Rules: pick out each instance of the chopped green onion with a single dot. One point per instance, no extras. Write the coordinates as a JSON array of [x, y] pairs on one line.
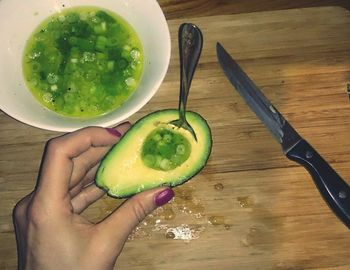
[[101, 43], [101, 28], [88, 57], [167, 138], [180, 149], [149, 160], [47, 97], [127, 48], [135, 54], [157, 137], [110, 65], [54, 88], [130, 81], [104, 26], [52, 78], [165, 164], [158, 160]]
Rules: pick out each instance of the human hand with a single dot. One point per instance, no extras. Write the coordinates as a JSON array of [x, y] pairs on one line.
[[51, 233]]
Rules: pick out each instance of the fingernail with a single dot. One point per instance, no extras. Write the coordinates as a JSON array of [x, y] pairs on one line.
[[164, 196], [114, 132]]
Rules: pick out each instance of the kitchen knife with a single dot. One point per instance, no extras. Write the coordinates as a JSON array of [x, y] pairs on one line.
[[334, 190]]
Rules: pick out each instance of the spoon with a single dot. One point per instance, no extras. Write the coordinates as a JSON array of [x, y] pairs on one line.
[[190, 47]]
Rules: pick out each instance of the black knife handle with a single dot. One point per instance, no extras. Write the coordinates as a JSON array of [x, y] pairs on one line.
[[335, 191]]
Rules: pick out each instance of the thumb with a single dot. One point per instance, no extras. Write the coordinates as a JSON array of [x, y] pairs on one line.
[[117, 227]]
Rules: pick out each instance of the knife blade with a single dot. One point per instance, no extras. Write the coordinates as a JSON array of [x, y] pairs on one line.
[[334, 190]]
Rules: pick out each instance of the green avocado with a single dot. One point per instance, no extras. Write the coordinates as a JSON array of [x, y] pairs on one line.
[[155, 153]]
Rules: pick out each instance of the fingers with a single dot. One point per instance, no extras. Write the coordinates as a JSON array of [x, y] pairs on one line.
[[87, 180], [87, 160], [57, 165], [86, 197], [84, 163], [117, 227]]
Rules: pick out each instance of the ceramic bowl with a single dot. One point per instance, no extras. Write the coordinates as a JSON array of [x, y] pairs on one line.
[[19, 18]]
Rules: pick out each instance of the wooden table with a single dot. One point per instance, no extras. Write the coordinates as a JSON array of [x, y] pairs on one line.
[[250, 208]]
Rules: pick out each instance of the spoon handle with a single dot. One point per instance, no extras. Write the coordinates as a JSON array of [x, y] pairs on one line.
[[190, 47]]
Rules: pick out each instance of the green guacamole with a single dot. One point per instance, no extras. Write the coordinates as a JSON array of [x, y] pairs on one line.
[[83, 62]]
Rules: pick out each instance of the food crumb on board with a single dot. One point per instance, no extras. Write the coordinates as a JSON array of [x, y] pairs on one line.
[[216, 220], [245, 201], [219, 186]]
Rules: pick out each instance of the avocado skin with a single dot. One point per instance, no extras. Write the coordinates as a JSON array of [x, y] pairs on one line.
[[126, 194]]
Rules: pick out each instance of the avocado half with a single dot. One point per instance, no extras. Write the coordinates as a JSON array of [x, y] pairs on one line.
[[125, 171]]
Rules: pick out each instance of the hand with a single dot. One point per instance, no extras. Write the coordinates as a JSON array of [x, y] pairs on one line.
[[50, 232]]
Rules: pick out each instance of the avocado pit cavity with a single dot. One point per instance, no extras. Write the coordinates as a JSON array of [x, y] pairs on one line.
[[165, 149]]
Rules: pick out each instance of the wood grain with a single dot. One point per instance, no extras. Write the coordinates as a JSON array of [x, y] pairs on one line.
[[175, 9], [250, 207]]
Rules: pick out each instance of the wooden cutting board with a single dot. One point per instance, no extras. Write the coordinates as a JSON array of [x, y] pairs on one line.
[[250, 208]]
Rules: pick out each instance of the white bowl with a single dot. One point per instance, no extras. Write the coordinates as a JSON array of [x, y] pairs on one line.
[[19, 18]]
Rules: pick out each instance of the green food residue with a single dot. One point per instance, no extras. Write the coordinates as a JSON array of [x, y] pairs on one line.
[[164, 149], [83, 62]]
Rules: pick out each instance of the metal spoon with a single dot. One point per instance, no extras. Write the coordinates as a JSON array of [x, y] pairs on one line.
[[190, 46]]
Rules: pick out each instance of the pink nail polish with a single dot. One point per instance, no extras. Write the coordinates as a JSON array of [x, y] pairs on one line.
[[114, 132], [164, 196]]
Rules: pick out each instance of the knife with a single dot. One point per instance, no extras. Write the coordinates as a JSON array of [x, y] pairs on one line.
[[334, 190]]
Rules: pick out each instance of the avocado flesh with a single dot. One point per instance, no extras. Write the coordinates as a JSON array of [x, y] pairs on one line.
[[124, 170]]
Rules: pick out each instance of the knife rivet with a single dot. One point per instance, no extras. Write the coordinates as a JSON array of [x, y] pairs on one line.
[[342, 194], [309, 154]]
